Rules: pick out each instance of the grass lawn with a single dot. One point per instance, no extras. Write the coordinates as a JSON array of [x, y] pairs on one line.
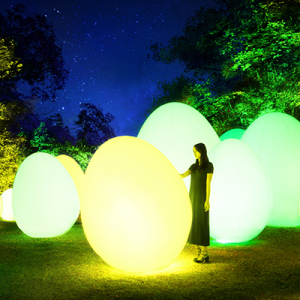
[[66, 267]]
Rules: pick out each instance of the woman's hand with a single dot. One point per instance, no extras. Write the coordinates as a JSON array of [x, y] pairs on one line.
[[206, 206], [185, 174]]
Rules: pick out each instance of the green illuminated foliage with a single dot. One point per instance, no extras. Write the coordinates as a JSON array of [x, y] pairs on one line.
[[14, 149], [42, 142], [244, 58], [41, 139], [238, 109], [81, 152]]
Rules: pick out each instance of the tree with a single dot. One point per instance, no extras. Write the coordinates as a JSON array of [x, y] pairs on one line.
[[94, 125], [29, 40], [39, 65], [57, 130], [49, 136], [269, 63], [176, 90], [21, 122], [35, 135], [81, 152], [10, 65], [41, 139], [43, 69], [250, 50], [43, 142], [10, 158], [197, 48]]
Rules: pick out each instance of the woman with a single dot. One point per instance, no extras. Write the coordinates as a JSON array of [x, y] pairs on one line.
[[201, 174]]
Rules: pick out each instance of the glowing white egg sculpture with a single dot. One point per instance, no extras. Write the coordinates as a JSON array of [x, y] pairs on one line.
[[241, 193], [75, 172], [45, 200], [136, 212], [174, 129], [275, 137], [7, 213], [232, 134]]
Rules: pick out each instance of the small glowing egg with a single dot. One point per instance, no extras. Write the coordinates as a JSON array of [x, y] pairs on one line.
[[232, 134], [241, 193], [275, 137], [7, 213], [174, 128], [136, 211], [45, 200]]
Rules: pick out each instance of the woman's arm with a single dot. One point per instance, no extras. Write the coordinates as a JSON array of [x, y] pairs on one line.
[[208, 181], [185, 174]]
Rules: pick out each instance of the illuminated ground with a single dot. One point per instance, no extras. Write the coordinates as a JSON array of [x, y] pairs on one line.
[[67, 268]]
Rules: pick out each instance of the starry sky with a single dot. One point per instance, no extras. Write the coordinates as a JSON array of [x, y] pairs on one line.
[[105, 45]]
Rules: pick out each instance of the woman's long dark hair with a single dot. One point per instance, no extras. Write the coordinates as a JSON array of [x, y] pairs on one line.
[[203, 159]]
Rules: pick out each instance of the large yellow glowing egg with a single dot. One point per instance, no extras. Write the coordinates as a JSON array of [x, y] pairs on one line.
[[174, 129], [136, 211], [45, 200], [275, 137], [7, 213], [241, 193], [75, 172]]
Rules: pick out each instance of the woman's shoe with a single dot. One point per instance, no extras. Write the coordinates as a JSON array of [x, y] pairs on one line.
[[198, 253], [204, 257]]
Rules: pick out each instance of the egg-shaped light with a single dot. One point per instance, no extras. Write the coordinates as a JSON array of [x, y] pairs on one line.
[[174, 128], [136, 211], [45, 200], [232, 134], [241, 193], [275, 137], [75, 172], [7, 212]]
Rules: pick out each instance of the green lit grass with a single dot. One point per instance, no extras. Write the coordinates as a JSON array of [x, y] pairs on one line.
[[66, 267]]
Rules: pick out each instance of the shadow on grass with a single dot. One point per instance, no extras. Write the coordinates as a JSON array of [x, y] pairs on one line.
[[66, 267]]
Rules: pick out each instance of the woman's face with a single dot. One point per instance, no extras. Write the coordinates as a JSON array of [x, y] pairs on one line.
[[196, 153]]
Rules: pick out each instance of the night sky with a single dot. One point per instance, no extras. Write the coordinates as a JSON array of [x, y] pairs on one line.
[[105, 45]]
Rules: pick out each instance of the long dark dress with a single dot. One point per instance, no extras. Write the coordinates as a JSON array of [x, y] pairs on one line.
[[199, 234]]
